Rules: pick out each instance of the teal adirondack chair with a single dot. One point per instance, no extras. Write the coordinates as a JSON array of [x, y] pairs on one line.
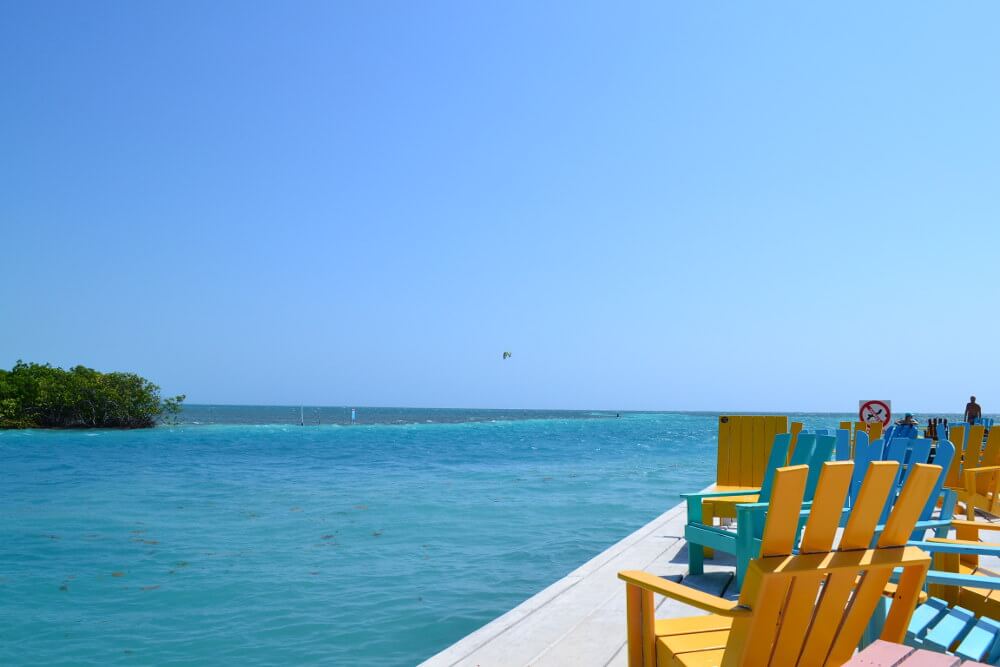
[[744, 542]]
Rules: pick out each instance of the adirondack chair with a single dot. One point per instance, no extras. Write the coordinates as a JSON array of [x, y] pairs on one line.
[[962, 615], [959, 578], [981, 483], [873, 431], [812, 450], [782, 617], [743, 453], [968, 441], [906, 452]]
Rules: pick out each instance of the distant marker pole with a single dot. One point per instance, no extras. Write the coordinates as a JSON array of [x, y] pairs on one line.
[[354, 415]]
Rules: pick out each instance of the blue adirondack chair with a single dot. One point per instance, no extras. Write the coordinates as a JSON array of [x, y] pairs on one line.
[[937, 625], [907, 451], [744, 542]]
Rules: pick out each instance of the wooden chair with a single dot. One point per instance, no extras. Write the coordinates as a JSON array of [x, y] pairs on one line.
[[959, 578], [810, 608], [742, 460], [962, 615], [701, 535], [968, 441], [981, 482], [743, 451], [906, 452]]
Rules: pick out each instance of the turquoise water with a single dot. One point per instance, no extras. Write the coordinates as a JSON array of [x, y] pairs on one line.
[[282, 544]]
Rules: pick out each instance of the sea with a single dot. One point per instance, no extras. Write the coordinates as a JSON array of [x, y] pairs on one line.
[[283, 535]]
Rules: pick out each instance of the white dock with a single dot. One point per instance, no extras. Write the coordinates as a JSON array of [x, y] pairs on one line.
[[580, 619]]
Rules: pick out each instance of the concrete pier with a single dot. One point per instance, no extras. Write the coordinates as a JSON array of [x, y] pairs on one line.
[[580, 619]]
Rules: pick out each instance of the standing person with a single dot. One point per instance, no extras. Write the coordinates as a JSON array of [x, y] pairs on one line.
[[973, 410]]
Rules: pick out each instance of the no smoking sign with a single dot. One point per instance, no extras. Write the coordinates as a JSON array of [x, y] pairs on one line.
[[875, 411]]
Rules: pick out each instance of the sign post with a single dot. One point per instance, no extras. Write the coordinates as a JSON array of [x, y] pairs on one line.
[[875, 411]]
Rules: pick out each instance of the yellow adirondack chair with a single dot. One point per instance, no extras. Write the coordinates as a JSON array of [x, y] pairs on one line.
[[968, 451], [744, 446], [810, 608], [981, 480]]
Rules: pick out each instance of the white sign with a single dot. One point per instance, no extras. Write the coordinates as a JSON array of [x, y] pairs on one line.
[[875, 411]]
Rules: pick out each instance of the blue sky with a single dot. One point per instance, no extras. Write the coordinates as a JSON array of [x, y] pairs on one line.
[[719, 206]]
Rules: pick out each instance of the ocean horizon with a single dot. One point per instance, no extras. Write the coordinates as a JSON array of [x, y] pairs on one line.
[[221, 413]]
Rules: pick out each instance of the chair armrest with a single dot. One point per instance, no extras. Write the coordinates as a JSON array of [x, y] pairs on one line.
[[949, 546], [758, 507], [970, 580], [981, 470], [718, 494], [980, 525], [685, 594]]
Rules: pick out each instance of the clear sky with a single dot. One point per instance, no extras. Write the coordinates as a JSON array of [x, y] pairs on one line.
[[664, 205]]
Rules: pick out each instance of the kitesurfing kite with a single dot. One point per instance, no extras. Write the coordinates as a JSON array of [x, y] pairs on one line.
[[506, 355]]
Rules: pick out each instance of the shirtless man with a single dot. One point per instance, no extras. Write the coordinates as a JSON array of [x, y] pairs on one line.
[[972, 410]]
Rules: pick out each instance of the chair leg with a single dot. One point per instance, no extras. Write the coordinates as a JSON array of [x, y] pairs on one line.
[[742, 563], [708, 518], [696, 558], [641, 627]]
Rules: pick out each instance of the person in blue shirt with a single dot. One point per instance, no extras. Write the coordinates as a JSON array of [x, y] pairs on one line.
[[907, 427]]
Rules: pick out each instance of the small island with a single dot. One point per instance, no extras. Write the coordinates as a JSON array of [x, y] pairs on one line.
[[42, 396]]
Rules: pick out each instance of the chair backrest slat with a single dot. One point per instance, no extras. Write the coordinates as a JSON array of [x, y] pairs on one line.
[[991, 457], [777, 458], [875, 431], [907, 509], [824, 518], [943, 456], [973, 446], [867, 511], [843, 447], [865, 451], [782, 522], [956, 434]]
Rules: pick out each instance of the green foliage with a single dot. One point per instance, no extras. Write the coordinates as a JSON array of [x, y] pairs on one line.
[[40, 396]]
